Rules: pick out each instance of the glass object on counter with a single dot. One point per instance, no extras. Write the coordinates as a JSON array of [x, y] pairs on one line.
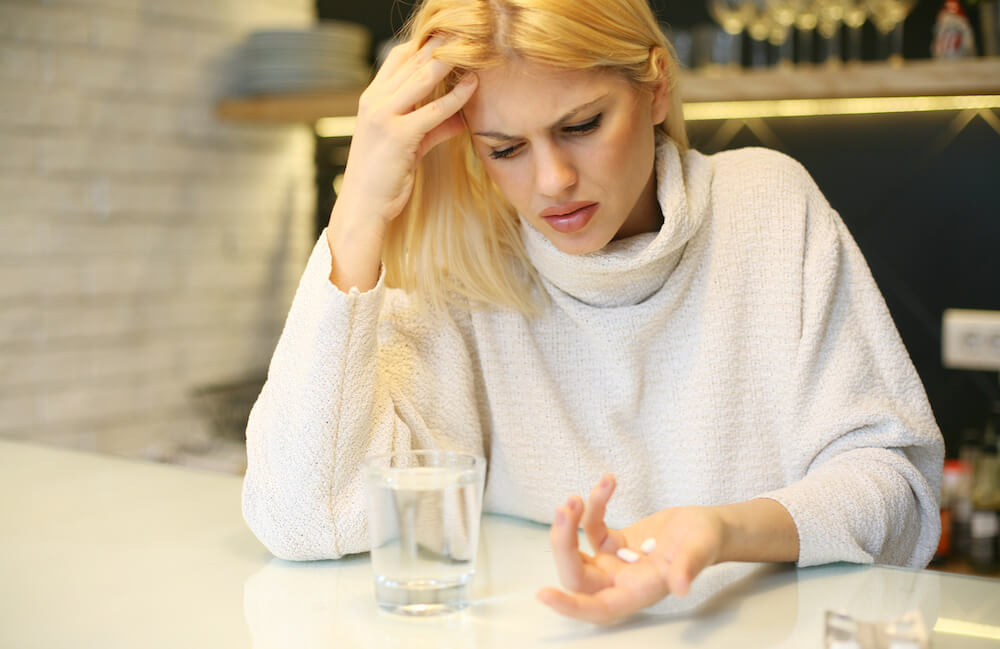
[[961, 503], [989, 27], [888, 17], [831, 15], [424, 509], [984, 525], [732, 16], [683, 42], [759, 28], [949, 485], [783, 14], [806, 22], [855, 17], [712, 48], [846, 632]]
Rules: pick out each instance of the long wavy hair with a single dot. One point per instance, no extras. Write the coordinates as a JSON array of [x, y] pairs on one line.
[[458, 240]]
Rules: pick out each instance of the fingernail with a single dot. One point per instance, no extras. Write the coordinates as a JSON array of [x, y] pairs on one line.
[[560, 517], [468, 79], [605, 482]]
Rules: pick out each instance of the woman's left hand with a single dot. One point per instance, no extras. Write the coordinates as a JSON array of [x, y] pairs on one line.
[[604, 588]]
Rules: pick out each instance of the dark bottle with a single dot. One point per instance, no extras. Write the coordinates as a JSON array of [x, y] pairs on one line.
[[984, 525]]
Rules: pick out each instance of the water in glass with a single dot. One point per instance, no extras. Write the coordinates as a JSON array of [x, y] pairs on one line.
[[424, 525]]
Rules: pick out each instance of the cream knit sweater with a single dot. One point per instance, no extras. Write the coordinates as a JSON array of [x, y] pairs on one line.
[[742, 351]]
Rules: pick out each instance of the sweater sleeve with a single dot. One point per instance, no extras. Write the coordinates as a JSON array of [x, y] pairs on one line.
[[864, 456], [352, 375]]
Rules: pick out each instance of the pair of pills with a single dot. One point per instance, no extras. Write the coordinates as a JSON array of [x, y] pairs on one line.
[[631, 556]]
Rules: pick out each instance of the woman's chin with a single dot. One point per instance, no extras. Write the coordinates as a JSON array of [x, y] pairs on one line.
[[577, 246]]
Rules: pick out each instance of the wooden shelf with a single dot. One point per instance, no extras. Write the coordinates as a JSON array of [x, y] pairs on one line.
[[917, 78], [289, 108]]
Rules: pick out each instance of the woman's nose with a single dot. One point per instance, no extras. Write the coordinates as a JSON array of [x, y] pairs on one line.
[[554, 171]]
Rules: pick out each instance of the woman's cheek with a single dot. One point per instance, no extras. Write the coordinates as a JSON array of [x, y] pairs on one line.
[[511, 184]]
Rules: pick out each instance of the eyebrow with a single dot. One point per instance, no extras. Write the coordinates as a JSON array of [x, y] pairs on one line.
[[496, 135]]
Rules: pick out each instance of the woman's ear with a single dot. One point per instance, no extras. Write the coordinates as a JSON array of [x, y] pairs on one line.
[[661, 100], [661, 92]]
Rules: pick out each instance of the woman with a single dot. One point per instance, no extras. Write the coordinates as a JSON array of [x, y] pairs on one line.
[[578, 296]]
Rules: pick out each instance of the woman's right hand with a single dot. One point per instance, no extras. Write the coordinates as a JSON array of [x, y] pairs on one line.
[[390, 137]]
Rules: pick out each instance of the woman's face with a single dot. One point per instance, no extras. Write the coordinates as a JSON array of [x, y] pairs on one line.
[[573, 151]]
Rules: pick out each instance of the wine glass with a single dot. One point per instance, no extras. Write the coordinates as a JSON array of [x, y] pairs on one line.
[[805, 21], [782, 14], [855, 16], [830, 14], [888, 16], [732, 16], [759, 27]]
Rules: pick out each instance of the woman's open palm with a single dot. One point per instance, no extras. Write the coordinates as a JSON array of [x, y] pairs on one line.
[[603, 587]]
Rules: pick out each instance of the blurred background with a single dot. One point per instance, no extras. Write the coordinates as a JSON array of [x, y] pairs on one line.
[[164, 171]]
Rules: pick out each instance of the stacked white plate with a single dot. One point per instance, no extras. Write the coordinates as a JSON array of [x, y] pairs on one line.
[[329, 56]]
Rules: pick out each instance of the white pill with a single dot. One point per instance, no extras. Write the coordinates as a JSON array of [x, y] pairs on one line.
[[627, 555], [648, 545]]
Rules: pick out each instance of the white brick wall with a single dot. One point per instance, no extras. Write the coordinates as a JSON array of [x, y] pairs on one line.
[[146, 249]]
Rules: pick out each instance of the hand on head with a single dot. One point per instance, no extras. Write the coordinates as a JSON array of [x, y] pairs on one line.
[[394, 130], [602, 587]]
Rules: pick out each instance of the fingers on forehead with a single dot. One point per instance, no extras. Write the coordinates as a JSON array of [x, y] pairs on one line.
[[409, 48], [425, 50], [433, 41]]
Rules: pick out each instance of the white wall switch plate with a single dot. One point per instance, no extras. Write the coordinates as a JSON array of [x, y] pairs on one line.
[[970, 339]]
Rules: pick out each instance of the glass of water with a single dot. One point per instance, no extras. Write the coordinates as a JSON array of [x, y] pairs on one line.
[[424, 509]]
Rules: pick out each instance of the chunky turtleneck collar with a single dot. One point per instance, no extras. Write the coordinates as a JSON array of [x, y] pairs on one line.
[[629, 271]]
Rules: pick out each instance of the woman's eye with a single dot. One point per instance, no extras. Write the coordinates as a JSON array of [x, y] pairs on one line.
[[573, 129], [499, 154], [585, 127]]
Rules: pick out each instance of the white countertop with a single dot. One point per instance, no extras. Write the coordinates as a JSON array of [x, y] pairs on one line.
[[103, 552]]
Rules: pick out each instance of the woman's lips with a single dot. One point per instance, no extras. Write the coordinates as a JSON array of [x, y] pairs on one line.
[[569, 217]]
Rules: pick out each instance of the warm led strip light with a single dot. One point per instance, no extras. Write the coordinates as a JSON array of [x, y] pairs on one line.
[[336, 126], [756, 109], [971, 629]]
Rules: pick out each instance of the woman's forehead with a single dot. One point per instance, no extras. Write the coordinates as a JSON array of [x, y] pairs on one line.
[[526, 96]]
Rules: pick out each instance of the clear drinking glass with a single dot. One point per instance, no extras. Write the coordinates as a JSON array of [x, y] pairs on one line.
[[855, 16], [732, 16], [424, 509], [888, 17]]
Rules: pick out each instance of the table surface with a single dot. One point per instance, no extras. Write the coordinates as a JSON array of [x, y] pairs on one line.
[[106, 552]]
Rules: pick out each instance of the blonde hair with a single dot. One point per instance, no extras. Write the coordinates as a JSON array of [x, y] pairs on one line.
[[458, 240]]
